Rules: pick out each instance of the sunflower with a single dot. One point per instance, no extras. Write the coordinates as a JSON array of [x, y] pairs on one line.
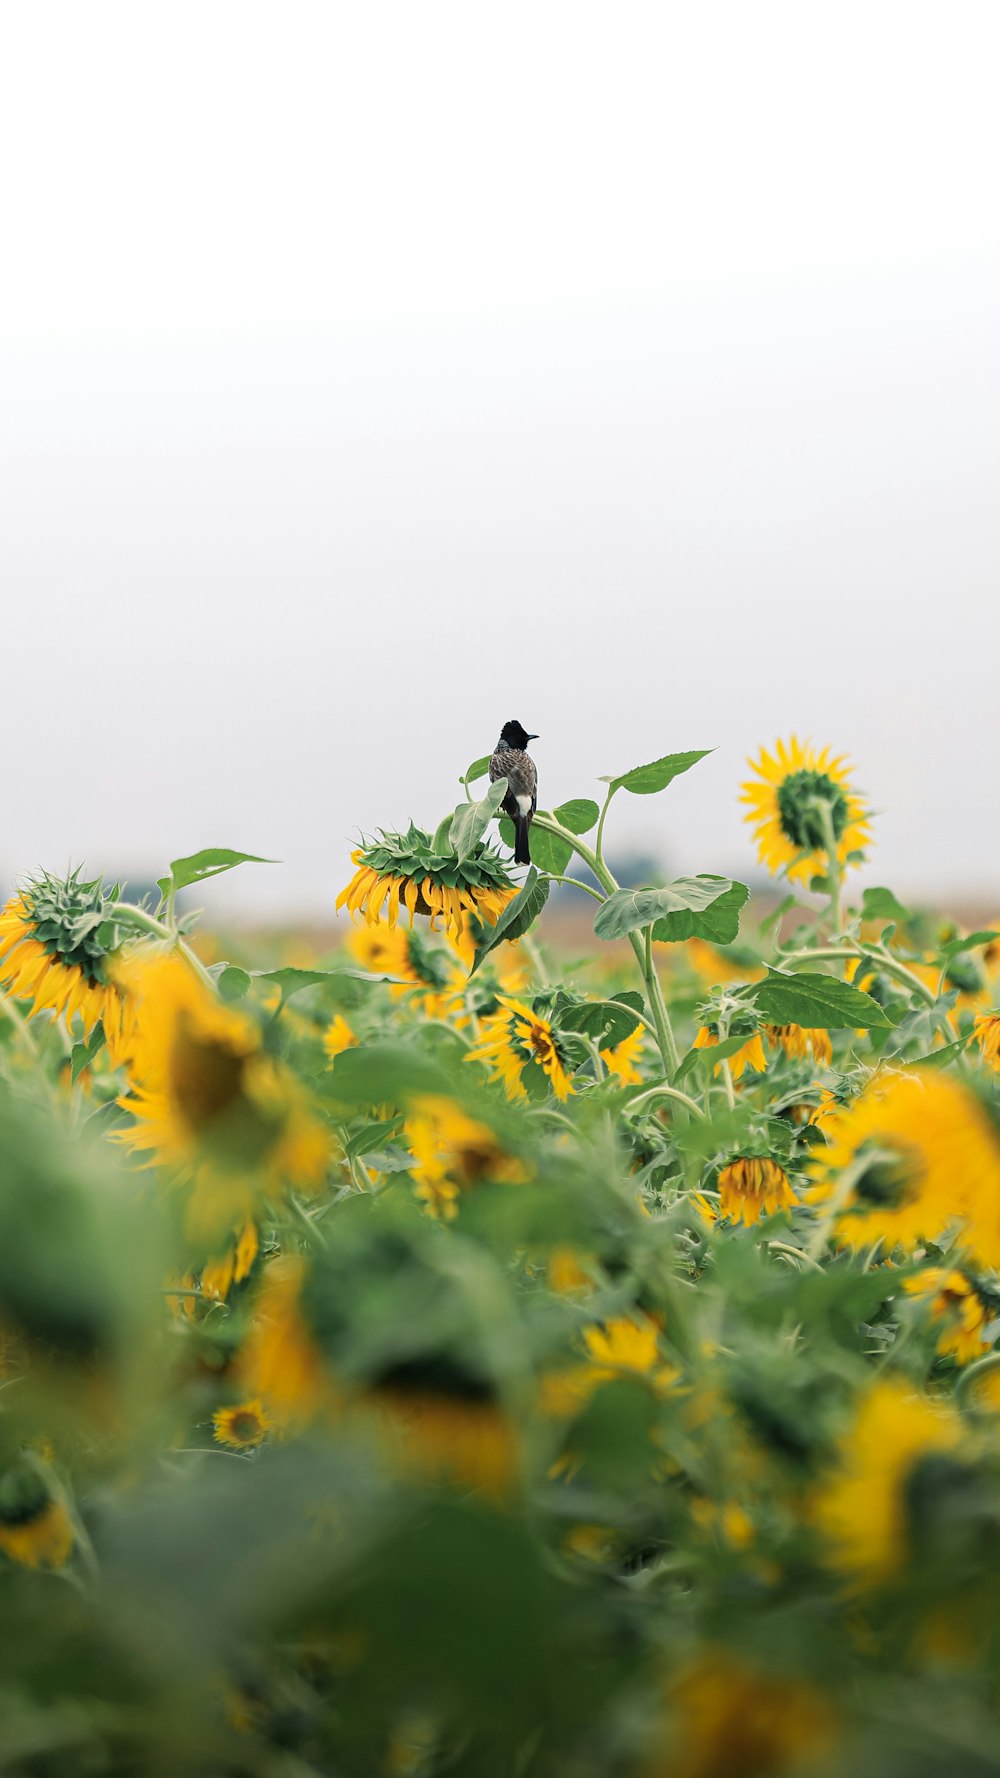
[[282, 1365], [966, 1313], [863, 1510], [441, 1420], [913, 1154], [36, 1530], [516, 1039], [986, 1028], [798, 1040], [733, 1720], [621, 1059], [408, 869], [60, 948], [623, 1346], [451, 1153], [230, 1123], [338, 1037], [241, 1428], [750, 1055], [803, 796], [753, 1186]]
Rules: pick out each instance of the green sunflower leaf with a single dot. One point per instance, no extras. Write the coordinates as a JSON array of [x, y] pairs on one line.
[[202, 865], [956, 946], [478, 769], [628, 910], [646, 780], [608, 1022], [579, 815], [814, 1000], [83, 1053], [881, 904], [719, 922], [549, 851], [517, 917], [470, 820], [716, 1052], [233, 982]]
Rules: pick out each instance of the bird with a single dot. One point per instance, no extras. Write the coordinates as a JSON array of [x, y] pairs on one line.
[[511, 762]]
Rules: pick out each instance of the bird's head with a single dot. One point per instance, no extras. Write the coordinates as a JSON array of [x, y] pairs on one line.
[[513, 735]]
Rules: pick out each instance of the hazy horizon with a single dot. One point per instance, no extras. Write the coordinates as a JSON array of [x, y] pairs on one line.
[[369, 381]]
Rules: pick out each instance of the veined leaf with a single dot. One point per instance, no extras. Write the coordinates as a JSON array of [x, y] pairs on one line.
[[719, 922], [881, 904], [579, 815], [478, 769], [646, 780], [810, 999], [608, 1022], [470, 820], [201, 865], [517, 917], [549, 851], [956, 946], [627, 910]]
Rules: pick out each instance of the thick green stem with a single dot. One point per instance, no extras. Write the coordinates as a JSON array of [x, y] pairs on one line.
[[833, 870], [662, 1090], [876, 955], [642, 953], [128, 914]]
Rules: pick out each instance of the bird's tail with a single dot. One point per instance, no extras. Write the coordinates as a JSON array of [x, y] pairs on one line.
[[522, 851]]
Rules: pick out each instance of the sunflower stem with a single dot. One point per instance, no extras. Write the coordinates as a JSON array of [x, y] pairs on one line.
[[876, 954], [833, 870], [663, 1090], [128, 914], [643, 954]]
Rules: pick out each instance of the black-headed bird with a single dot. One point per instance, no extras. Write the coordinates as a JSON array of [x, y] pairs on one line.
[[511, 762]]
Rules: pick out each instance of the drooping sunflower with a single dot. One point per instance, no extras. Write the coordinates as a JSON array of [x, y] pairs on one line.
[[404, 870], [798, 1040], [36, 1530], [863, 1510], [754, 1186], [802, 796], [453, 1152], [517, 1039], [750, 1055], [914, 1154], [60, 949], [229, 1122], [241, 1428]]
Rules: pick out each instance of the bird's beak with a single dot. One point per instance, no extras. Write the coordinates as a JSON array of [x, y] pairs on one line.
[[534, 737]]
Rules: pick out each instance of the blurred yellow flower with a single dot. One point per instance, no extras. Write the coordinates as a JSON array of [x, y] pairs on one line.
[[241, 1428], [750, 1055], [451, 1153], [338, 1036], [799, 791], [36, 1530], [861, 1510], [955, 1301], [621, 1060], [733, 1720], [986, 1026], [915, 1153], [751, 1187]]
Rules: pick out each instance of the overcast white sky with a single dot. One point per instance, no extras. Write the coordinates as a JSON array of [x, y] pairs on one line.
[[370, 374]]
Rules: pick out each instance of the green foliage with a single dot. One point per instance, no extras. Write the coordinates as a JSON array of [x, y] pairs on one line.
[[807, 998], [202, 865], [646, 780], [629, 910]]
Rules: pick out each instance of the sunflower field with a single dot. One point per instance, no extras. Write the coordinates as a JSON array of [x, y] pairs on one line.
[[449, 1354]]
